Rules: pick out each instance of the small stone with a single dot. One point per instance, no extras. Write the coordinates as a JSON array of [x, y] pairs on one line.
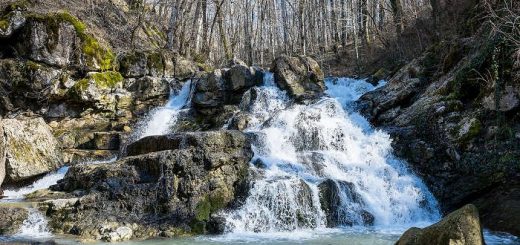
[[53, 124]]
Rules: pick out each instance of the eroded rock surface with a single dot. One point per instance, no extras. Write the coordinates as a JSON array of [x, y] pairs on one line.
[[170, 185], [30, 149]]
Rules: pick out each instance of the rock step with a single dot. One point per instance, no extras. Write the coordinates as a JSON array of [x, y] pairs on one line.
[[102, 141], [76, 156]]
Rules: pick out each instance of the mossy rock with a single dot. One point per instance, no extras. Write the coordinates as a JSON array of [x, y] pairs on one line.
[[95, 55]]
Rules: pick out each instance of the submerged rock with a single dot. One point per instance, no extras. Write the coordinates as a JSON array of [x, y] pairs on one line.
[[11, 219], [300, 76], [31, 149], [169, 182], [460, 227]]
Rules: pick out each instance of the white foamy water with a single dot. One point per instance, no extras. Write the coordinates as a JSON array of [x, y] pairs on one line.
[[160, 120], [298, 147], [49, 179], [34, 227]]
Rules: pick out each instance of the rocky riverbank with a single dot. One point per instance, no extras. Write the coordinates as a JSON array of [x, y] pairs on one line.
[[69, 95]]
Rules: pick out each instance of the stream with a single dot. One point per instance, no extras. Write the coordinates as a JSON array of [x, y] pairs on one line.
[[297, 148]]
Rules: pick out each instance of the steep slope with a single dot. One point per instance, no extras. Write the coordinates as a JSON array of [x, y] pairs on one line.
[[454, 114]]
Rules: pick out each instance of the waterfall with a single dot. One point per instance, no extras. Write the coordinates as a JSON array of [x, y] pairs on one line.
[[161, 120], [35, 226], [15, 194], [324, 145]]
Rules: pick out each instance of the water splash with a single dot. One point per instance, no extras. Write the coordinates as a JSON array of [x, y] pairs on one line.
[[160, 120], [34, 227], [298, 147]]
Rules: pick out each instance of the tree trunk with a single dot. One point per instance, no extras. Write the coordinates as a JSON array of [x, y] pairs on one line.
[[397, 10]]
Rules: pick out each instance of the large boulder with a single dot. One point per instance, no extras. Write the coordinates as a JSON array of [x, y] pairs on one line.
[[224, 87], [101, 90], [25, 84], [300, 76], [31, 149], [56, 39], [170, 185], [460, 227]]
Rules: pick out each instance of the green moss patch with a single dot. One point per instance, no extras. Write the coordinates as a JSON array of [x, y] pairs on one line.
[[107, 79], [95, 53], [4, 24], [209, 204]]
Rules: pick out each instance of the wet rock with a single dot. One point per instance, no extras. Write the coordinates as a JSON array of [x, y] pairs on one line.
[[342, 205], [398, 92], [169, 182], [242, 77], [11, 219], [500, 209], [300, 76], [460, 227], [240, 121], [31, 149], [122, 233]]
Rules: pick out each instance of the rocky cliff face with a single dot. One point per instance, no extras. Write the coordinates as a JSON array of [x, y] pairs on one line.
[[457, 127], [56, 66]]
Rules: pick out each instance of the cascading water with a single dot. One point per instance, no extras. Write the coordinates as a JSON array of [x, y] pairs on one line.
[[34, 227], [161, 119], [301, 149], [14, 194]]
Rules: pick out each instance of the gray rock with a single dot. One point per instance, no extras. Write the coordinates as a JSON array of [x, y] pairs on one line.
[[120, 234], [101, 90], [147, 88], [300, 76], [15, 20], [460, 227], [224, 87], [11, 219], [53, 47], [31, 149], [133, 64], [174, 182]]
